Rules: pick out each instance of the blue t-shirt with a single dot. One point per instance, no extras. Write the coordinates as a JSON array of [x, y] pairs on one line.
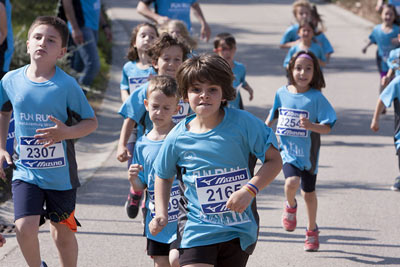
[[213, 165], [133, 77], [393, 61], [391, 94], [300, 147], [384, 42], [53, 167], [174, 9], [146, 151], [239, 71], [315, 48], [89, 12]]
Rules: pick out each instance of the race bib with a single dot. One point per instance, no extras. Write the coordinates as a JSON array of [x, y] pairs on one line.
[[214, 191], [289, 122], [35, 156], [173, 205], [136, 82], [182, 112]]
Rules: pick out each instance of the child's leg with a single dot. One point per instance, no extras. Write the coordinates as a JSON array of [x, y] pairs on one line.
[[27, 229], [161, 261], [311, 206], [133, 202], [66, 244], [291, 185], [174, 258]]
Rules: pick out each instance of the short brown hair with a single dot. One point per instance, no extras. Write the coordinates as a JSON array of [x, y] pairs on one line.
[[60, 26], [132, 51], [227, 38], [206, 68], [165, 41], [318, 81], [164, 83]]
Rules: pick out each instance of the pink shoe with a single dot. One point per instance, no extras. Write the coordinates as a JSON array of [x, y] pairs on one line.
[[312, 242], [289, 221]]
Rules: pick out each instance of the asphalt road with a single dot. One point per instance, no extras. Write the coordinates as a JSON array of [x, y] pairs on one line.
[[358, 215]]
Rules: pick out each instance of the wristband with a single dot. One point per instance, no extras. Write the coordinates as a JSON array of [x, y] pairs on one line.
[[249, 190], [253, 186]]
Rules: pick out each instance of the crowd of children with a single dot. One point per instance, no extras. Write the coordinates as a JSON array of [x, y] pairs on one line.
[[181, 110]]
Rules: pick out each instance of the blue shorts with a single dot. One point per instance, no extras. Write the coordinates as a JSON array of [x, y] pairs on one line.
[[307, 179], [57, 206]]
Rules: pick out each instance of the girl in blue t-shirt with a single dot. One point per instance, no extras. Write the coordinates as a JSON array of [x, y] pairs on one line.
[[384, 35], [211, 153], [303, 113]]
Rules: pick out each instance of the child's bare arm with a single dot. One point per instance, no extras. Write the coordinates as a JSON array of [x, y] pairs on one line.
[[60, 131], [2, 240], [315, 127], [375, 119], [133, 175], [123, 154], [4, 156], [162, 190], [248, 88], [288, 44], [269, 122], [364, 50], [124, 95], [271, 167]]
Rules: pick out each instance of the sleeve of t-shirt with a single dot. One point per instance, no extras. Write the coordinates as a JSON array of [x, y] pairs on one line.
[[326, 113], [288, 57], [273, 112], [289, 35], [133, 107], [322, 54], [78, 102], [372, 36], [5, 104], [391, 92], [243, 80], [167, 158], [326, 45], [124, 85]]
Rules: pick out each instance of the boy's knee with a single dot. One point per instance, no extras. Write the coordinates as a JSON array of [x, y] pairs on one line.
[[309, 196], [27, 227], [292, 182]]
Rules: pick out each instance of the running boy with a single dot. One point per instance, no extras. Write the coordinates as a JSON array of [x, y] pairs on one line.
[[210, 153], [44, 100], [161, 103], [225, 47], [391, 94]]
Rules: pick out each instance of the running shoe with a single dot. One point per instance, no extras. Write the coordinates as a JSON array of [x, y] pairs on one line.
[[132, 204], [43, 264], [396, 185], [312, 242], [289, 221]]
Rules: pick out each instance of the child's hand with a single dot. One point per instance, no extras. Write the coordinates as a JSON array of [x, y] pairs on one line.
[[133, 172], [2, 240], [4, 156], [305, 123], [384, 81], [123, 153], [157, 224], [239, 200], [364, 50], [374, 125], [251, 93], [51, 135]]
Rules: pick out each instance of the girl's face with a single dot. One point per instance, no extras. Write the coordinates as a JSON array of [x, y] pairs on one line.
[[205, 99], [225, 51], [306, 32], [387, 15], [145, 38], [174, 30], [303, 71], [169, 61], [302, 13], [161, 108]]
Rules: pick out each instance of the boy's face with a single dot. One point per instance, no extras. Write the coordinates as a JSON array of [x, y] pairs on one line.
[[44, 44], [302, 13], [205, 99], [161, 108], [169, 61], [223, 50]]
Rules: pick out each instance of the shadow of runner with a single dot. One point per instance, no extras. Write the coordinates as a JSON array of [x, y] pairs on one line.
[[356, 257]]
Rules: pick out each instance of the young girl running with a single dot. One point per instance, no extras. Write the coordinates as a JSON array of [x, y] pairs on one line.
[[135, 73], [177, 28], [210, 152], [303, 114], [306, 43], [385, 36]]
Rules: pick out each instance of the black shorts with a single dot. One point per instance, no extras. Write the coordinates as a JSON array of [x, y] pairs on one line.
[[307, 179], [29, 200], [155, 248], [219, 255]]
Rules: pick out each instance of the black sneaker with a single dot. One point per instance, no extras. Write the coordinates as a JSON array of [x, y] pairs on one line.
[[43, 264], [132, 204], [396, 185]]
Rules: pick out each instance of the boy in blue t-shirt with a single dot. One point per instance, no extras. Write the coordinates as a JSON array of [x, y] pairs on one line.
[[225, 47], [161, 103], [210, 152], [44, 100]]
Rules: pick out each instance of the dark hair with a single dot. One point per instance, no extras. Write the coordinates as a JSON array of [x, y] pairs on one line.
[[60, 26], [164, 83], [318, 20], [227, 38], [206, 68], [132, 51], [393, 8], [166, 41], [307, 22], [317, 81]]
